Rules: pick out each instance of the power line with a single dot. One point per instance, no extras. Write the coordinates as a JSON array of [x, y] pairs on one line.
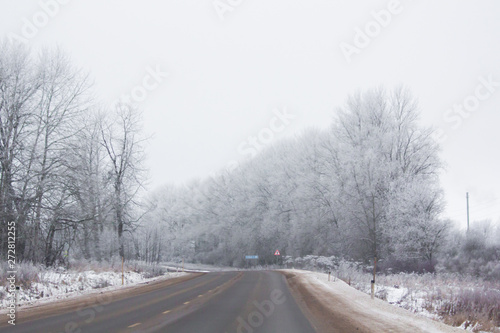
[[481, 205]]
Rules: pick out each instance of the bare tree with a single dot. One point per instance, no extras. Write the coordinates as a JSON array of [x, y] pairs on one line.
[[124, 147], [86, 166], [60, 100], [18, 85], [40, 98]]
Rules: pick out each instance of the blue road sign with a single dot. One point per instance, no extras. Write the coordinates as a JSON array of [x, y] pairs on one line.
[[251, 257]]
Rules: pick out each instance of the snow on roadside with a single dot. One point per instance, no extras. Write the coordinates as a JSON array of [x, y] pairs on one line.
[[61, 284], [415, 301], [378, 312]]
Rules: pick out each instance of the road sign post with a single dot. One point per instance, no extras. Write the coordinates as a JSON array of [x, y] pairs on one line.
[[251, 257], [277, 254]]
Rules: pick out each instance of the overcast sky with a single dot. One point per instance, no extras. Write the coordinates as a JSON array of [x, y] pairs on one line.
[[210, 74]]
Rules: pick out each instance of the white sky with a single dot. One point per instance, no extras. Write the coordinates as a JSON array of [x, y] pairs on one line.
[[227, 76]]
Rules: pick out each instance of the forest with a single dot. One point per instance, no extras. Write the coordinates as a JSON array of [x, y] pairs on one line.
[[366, 187]]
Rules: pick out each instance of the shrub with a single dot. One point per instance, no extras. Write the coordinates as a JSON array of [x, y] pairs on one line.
[[27, 273], [147, 270], [395, 265], [476, 253]]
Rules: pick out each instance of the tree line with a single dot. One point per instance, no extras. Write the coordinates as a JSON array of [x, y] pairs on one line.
[[365, 187]]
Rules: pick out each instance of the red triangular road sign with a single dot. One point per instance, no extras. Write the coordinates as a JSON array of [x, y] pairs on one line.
[[277, 253]]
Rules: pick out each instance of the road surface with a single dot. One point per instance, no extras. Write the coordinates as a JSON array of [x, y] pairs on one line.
[[242, 302]]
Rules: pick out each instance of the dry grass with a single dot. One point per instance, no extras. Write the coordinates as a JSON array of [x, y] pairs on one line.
[[477, 307]]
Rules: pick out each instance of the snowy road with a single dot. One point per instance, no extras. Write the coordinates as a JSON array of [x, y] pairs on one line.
[[246, 302]]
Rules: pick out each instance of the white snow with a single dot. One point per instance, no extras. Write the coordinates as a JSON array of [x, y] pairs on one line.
[[58, 284]]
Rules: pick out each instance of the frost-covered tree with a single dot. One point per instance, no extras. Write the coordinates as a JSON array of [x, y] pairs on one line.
[[386, 167], [365, 187]]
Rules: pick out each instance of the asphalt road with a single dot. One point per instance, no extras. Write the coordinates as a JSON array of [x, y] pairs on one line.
[[242, 302]]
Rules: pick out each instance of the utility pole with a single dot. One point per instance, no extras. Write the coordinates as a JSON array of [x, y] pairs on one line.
[[467, 197]]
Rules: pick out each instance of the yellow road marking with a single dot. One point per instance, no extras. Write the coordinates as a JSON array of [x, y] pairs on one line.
[[200, 295], [166, 311], [136, 324], [186, 302]]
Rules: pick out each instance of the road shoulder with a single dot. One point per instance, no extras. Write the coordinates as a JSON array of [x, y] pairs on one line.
[[337, 307]]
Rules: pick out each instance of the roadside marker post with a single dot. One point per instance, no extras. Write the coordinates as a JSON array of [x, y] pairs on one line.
[[123, 259], [374, 273]]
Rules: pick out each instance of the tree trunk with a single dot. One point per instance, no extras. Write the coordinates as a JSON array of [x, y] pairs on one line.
[[119, 217], [49, 255]]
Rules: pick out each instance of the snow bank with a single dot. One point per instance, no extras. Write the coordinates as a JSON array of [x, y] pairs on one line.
[[59, 284]]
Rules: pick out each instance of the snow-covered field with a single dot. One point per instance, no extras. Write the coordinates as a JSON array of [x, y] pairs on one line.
[[59, 283]]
